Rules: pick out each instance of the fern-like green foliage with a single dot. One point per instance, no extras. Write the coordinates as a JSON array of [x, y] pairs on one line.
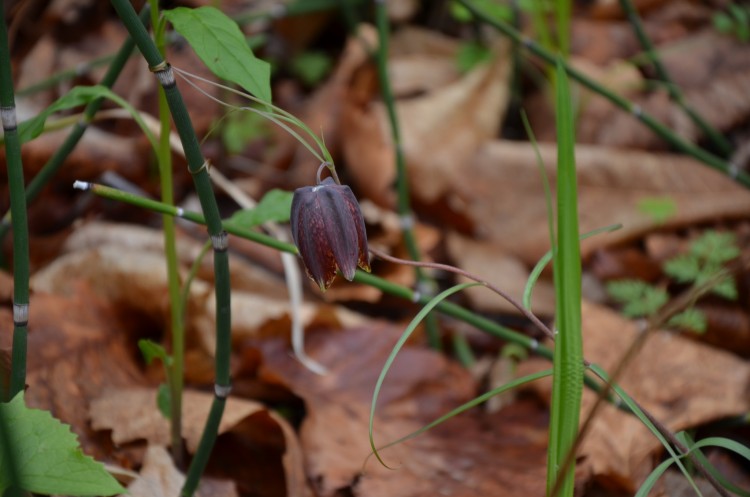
[[690, 319], [703, 263], [639, 299], [705, 259]]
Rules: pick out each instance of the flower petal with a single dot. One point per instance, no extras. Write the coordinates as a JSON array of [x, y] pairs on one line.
[[309, 233]]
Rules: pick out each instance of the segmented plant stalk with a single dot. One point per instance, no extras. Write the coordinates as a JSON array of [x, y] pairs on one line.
[[18, 210], [711, 160], [675, 94], [58, 158], [425, 284], [198, 167]]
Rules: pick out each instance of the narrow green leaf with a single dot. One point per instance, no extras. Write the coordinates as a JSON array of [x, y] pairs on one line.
[[567, 383], [221, 45], [276, 205], [723, 443], [396, 348], [515, 383], [80, 95], [636, 410], [46, 456]]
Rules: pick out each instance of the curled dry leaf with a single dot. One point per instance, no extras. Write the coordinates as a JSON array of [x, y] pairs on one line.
[[440, 128], [681, 382], [501, 193]]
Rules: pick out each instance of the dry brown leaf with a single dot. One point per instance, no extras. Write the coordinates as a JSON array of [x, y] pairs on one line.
[[131, 414], [501, 192], [507, 272], [254, 315], [160, 478], [440, 129], [421, 386], [681, 382], [138, 239], [79, 346]]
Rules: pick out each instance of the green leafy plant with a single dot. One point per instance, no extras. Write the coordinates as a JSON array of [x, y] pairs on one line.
[[40, 454], [702, 265], [735, 21]]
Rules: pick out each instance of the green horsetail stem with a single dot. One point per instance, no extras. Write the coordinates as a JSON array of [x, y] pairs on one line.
[[18, 211], [198, 167]]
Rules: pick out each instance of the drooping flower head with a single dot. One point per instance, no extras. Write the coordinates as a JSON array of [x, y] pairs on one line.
[[329, 231]]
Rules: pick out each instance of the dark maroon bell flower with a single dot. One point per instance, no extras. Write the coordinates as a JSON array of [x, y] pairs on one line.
[[329, 231]]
